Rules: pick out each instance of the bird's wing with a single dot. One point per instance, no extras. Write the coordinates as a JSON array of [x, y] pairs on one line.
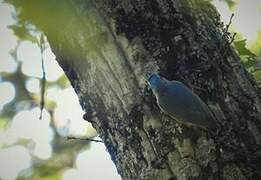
[[188, 105]]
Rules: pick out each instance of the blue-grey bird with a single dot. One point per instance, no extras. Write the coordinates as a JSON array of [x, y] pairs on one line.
[[178, 101]]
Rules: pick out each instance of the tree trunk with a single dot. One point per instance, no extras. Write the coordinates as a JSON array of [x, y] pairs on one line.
[[108, 48]]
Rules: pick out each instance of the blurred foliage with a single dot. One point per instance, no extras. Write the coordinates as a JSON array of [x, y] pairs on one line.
[[63, 82], [3, 123], [251, 61], [64, 151], [44, 15], [46, 171], [257, 75], [231, 4], [242, 49], [256, 46], [24, 32]]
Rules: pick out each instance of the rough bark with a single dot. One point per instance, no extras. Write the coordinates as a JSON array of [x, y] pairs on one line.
[[108, 48]]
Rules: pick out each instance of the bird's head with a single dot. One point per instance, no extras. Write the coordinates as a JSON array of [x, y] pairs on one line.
[[154, 80]]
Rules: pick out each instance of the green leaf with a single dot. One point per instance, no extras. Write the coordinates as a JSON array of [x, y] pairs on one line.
[[257, 76], [249, 63], [3, 123], [231, 4], [241, 48], [51, 105], [256, 46], [23, 33], [63, 82]]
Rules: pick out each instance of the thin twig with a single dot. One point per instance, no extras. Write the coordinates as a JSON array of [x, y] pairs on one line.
[[85, 139], [225, 46], [43, 82], [230, 22]]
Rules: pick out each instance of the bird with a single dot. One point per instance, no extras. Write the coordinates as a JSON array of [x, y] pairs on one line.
[[180, 103]]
